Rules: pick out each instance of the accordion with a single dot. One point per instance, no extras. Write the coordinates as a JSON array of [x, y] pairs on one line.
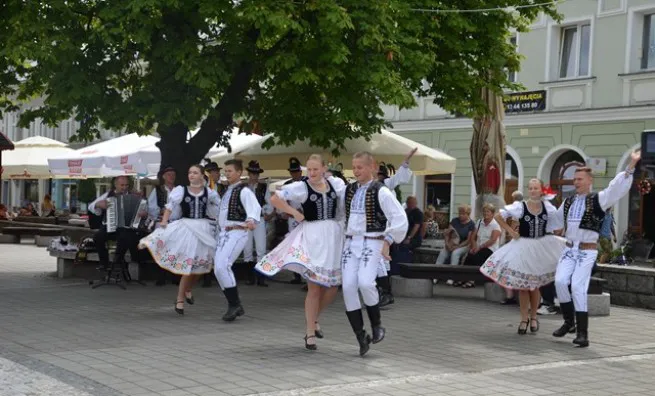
[[123, 211]]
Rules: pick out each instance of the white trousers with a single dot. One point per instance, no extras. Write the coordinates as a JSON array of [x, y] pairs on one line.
[[574, 268], [230, 245], [360, 263], [258, 236], [384, 268]]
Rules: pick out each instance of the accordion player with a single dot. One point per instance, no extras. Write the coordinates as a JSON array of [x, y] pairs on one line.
[[125, 211]]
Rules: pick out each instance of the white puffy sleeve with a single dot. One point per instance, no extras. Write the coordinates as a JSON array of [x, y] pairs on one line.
[[153, 208], [250, 203], [397, 223], [554, 219], [403, 175], [213, 204], [514, 210], [175, 197], [295, 192], [92, 206], [340, 188], [268, 208], [618, 187]]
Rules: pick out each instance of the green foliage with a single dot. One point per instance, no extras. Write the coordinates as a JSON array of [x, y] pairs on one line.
[[86, 191], [315, 70]]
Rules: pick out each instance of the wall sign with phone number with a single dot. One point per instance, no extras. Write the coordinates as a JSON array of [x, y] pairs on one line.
[[525, 101]]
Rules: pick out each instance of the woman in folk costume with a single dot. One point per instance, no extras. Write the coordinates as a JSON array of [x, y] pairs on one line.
[[186, 247], [530, 259], [313, 248]]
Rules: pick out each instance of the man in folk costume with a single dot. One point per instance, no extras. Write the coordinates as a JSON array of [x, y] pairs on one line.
[[391, 178], [239, 212], [295, 171], [214, 172], [374, 220], [157, 204], [582, 216], [257, 237], [126, 238]]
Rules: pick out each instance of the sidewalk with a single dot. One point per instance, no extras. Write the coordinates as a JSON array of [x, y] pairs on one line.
[[58, 337]]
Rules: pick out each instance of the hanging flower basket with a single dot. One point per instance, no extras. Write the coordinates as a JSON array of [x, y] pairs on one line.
[[645, 186]]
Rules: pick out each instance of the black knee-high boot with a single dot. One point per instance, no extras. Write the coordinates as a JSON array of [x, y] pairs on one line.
[[384, 286], [582, 319], [356, 320], [376, 323], [569, 320], [234, 309]]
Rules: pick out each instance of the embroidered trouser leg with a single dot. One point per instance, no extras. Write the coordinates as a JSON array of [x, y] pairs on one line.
[[230, 245], [359, 264], [256, 240], [574, 268], [383, 268]]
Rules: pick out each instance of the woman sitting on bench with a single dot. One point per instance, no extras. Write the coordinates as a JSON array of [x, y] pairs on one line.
[[485, 240]]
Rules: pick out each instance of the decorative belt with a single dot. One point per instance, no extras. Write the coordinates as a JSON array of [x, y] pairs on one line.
[[230, 228], [377, 238], [583, 245]]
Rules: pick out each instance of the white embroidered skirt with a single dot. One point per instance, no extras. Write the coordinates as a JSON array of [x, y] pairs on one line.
[[526, 263], [184, 247], [312, 249]]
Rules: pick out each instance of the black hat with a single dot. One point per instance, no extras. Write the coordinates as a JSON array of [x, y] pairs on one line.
[[212, 166], [386, 170], [253, 167], [166, 169], [294, 165]]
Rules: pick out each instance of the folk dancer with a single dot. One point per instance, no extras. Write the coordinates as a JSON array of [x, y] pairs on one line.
[[295, 171], [257, 237], [313, 248], [186, 246], [529, 260], [157, 205], [213, 173], [401, 176], [374, 220], [239, 213], [582, 216], [126, 238]]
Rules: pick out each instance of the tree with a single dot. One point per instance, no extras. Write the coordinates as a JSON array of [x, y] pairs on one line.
[[316, 70]]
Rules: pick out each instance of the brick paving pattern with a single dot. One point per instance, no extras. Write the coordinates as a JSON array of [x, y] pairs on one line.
[[59, 337]]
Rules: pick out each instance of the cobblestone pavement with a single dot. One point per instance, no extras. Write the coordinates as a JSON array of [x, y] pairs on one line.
[[59, 337]]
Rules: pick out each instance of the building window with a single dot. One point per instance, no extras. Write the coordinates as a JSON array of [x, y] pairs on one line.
[[511, 178], [437, 194], [575, 49], [648, 43], [512, 76]]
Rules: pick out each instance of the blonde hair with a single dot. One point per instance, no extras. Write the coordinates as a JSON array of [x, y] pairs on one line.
[[363, 154], [316, 157], [430, 211], [490, 207], [541, 184], [464, 207]]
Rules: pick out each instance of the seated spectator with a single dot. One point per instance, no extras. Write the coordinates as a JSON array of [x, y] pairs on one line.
[[4, 213], [47, 207], [485, 240], [430, 228], [457, 237], [28, 210]]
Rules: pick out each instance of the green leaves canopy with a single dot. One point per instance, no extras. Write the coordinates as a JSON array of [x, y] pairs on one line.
[[316, 70]]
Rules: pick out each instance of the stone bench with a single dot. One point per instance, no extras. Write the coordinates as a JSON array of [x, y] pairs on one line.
[[42, 236], [415, 280]]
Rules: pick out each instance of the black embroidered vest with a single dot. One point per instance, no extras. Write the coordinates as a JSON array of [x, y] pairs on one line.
[[235, 209], [593, 216], [221, 189], [194, 207], [531, 226], [260, 193], [315, 208], [162, 196], [376, 221]]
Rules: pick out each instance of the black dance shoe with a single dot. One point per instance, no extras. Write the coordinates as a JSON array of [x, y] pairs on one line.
[[233, 312]]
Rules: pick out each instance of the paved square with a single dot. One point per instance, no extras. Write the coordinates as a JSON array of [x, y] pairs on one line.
[[59, 337]]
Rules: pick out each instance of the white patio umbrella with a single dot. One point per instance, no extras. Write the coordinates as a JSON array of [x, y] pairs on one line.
[[386, 146], [92, 161], [147, 160], [28, 160]]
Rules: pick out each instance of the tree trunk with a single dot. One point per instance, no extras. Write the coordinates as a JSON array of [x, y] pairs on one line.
[[175, 151]]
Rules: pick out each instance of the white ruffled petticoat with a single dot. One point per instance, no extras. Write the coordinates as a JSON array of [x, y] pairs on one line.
[[184, 247], [312, 249], [526, 263]]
